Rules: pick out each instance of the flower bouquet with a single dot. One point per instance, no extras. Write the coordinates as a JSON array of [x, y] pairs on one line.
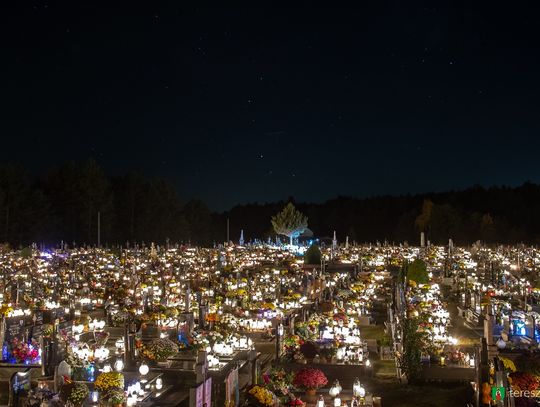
[[47, 330], [109, 380], [74, 393], [310, 379], [24, 352], [259, 396], [212, 317], [292, 341], [295, 402], [279, 381], [119, 318], [161, 349], [113, 397]]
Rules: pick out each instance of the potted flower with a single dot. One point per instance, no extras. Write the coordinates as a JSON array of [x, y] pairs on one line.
[[113, 397], [161, 349], [295, 402], [259, 396], [109, 380], [74, 393], [310, 380], [279, 382], [47, 330]]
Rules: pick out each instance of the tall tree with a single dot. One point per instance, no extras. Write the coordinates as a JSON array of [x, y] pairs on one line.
[[487, 228], [13, 194], [445, 223], [129, 195], [289, 222], [423, 220], [413, 343], [96, 197], [62, 189], [199, 222]]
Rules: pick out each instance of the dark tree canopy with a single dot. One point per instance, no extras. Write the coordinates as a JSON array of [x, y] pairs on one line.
[[63, 204], [312, 255], [417, 272]]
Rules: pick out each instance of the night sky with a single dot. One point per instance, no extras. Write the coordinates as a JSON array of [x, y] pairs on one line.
[[242, 103]]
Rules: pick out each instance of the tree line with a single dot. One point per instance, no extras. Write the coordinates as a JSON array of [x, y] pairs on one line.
[[63, 205], [505, 215]]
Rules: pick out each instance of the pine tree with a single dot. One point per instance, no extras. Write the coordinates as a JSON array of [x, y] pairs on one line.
[[289, 222]]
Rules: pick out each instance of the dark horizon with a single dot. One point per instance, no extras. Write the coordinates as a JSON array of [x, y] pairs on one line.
[[64, 206], [40, 177]]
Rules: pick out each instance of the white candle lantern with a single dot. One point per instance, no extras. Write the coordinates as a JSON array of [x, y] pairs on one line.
[[144, 369], [335, 389], [119, 365]]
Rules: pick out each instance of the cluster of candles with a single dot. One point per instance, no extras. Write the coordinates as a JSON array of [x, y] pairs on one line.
[[359, 394]]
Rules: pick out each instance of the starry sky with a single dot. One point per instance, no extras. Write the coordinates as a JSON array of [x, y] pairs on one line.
[[258, 102]]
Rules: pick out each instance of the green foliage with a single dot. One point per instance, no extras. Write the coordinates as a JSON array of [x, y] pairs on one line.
[[417, 271], [413, 341], [26, 253], [289, 222], [312, 255]]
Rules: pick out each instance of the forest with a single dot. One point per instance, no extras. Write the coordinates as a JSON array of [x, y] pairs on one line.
[[63, 205]]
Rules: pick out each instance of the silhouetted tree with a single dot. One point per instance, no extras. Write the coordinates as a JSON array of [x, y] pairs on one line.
[[312, 255], [14, 189], [198, 221], [94, 196], [423, 221], [63, 205]]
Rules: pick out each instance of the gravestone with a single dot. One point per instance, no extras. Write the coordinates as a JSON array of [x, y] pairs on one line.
[[19, 386]]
